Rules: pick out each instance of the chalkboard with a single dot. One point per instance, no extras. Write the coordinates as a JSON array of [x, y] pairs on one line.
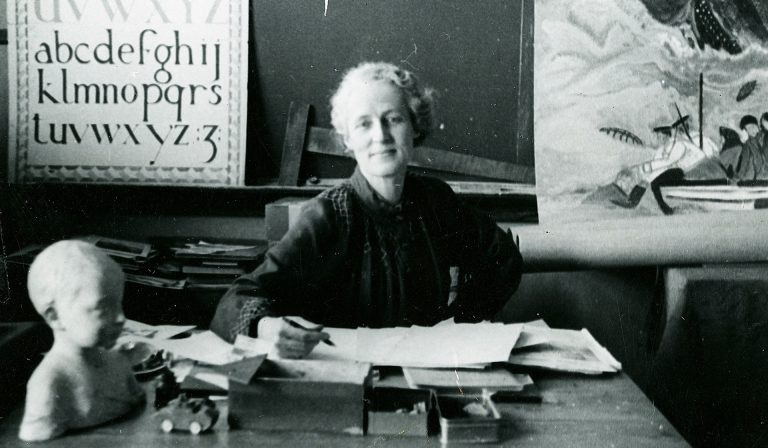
[[476, 53]]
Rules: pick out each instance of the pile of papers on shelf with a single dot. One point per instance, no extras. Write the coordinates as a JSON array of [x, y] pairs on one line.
[[213, 265], [198, 265], [219, 251], [127, 253], [138, 261]]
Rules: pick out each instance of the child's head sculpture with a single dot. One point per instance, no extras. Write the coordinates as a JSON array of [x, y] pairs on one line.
[[81, 382], [78, 290]]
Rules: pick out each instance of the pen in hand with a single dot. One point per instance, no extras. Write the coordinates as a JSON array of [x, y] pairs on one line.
[[295, 324]]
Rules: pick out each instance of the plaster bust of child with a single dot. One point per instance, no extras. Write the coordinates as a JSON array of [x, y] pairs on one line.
[[78, 290]]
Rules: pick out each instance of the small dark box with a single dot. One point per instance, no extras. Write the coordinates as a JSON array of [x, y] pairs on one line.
[[404, 412], [321, 396], [468, 420]]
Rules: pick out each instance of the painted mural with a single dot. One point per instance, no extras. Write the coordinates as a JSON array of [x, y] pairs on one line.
[[650, 107]]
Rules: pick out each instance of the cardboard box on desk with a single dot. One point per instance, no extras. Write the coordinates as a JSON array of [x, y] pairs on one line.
[[280, 216], [402, 412], [468, 419], [321, 396]]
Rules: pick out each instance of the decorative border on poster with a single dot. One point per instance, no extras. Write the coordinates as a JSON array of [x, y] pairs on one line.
[[21, 170]]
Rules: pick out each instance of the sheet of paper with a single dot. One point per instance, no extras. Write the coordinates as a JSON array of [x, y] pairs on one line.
[[444, 345], [248, 346], [135, 331], [464, 380], [218, 379], [375, 345], [204, 347], [439, 346], [533, 333], [566, 350], [344, 346]]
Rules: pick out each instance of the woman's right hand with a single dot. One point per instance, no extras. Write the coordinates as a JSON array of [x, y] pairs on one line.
[[290, 340]]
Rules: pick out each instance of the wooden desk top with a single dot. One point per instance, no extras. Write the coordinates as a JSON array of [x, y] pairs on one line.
[[576, 411]]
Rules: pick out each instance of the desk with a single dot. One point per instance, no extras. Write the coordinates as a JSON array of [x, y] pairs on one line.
[[577, 411]]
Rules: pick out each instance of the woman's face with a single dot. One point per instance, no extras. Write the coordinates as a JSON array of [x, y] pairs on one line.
[[379, 130]]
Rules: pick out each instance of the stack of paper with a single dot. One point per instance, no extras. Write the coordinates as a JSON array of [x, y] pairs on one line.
[[213, 265], [564, 350], [457, 347], [447, 345]]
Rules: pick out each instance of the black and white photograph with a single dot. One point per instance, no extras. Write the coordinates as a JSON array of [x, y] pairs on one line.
[[390, 223]]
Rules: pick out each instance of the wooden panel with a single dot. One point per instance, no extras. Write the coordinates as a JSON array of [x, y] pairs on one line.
[[293, 147], [525, 86], [324, 141]]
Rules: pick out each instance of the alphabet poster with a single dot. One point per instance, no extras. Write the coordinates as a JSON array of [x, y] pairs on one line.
[[128, 91], [650, 107]]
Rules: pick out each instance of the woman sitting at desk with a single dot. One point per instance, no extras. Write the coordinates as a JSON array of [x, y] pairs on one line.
[[379, 249]]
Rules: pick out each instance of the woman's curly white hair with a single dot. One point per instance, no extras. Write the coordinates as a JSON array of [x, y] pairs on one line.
[[420, 100]]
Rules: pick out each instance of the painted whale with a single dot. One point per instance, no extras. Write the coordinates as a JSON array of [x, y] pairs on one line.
[[728, 25]]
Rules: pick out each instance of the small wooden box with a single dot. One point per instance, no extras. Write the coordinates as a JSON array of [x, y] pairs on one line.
[[403, 412], [280, 216], [321, 396], [459, 426]]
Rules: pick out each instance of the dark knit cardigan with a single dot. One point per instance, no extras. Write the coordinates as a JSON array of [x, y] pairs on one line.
[[353, 260]]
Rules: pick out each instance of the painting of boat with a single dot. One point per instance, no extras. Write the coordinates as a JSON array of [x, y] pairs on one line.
[[714, 198], [636, 99]]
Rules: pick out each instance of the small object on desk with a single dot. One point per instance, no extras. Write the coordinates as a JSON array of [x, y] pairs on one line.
[[195, 415], [295, 324], [466, 381], [530, 394], [468, 420], [166, 389], [204, 381], [325, 396], [151, 365], [402, 412]]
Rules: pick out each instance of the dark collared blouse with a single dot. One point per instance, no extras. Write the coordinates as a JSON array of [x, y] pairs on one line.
[[353, 260]]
